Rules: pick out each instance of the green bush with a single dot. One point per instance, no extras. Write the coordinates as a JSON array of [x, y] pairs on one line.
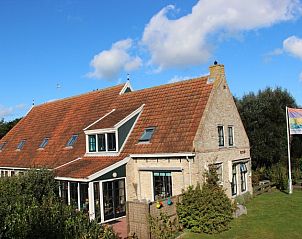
[[163, 227], [206, 209], [244, 198], [278, 173], [30, 208]]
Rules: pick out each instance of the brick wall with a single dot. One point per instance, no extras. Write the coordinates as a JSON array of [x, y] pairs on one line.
[[140, 183], [138, 212], [221, 110]]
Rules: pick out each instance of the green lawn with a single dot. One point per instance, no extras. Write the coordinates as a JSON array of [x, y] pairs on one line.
[[271, 215]]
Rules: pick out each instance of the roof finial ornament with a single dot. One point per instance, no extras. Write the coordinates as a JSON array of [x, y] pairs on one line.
[[215, 62], [128, 77], [33, 102]]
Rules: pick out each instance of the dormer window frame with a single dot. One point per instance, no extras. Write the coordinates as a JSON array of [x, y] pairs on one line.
[[44, 143], [114, 129], [147, 134], [72, 140], [105, 132], [2, 145], [21, 144]]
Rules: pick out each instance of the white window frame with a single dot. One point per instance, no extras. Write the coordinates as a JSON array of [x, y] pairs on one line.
[[220, 125], [233, 135], [236, 179], [244, 177], [106, 152]]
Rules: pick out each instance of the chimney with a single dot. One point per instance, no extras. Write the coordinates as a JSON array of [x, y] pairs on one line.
[[216, 71]]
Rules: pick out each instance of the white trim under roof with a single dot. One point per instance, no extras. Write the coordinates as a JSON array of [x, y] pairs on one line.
[[72, 179], [60, 166], [108, 169], [127, 85], [15, 168], [97, 174], [179, 169], [163, 155]]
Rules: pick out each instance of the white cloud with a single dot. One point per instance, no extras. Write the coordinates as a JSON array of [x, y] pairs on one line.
[[5, 111], [109, 63], [293, 45], [10, 111], [179, 78], [277, 52], [189, 40]]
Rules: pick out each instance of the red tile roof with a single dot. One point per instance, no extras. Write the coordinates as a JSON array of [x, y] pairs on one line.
[[174, 109]]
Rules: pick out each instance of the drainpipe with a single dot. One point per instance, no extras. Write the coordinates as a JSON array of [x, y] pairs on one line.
[[190, 172]]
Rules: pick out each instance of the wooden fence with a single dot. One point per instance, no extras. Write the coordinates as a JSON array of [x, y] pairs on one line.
[[138, 212], [265, 187]]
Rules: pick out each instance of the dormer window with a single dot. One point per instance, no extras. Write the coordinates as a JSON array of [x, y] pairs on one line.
[[44, 143], [92, 143], [111, 142], [21, 144], [2, 146], [147, 134], [72, 140], [104, 142]]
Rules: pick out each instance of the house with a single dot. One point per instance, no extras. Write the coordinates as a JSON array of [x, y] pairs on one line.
[[115, 145]]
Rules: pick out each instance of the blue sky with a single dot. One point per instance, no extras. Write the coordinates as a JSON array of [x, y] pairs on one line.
[[51, 49]]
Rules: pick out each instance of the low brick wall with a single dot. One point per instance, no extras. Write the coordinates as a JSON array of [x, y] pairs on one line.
[[138, 212]]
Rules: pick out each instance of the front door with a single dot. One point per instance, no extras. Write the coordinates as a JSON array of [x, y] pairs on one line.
[[114, 199]]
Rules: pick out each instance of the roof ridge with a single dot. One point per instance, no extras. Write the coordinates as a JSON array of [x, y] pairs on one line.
[[80, 95], [170, 84]]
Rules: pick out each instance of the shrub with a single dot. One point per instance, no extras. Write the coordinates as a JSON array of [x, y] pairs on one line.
[[163, 227], [30, 208], [279, 174], [206, 209], [244, 198]]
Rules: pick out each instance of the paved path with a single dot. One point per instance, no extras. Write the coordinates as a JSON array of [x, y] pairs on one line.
[[120, 226]]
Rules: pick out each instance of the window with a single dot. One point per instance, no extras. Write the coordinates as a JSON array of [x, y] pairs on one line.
[[92, 143], [72, 140], [21, 144], [147, 135], [97, 206], [105, 142], [243, 171], [74, 194], [84, 202], [44, 143], [231, 135], [64, 191], [220, 136], [114, 199], [162, 184], [234, 180], [2, 146], [101, 142], [111, 142]]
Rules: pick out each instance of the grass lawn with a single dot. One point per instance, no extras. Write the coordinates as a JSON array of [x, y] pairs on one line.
[[271, 215]]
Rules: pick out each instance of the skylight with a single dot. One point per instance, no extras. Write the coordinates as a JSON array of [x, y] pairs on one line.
[[44, 143], [147, 135], [72, 140], [2, 145], [21, 144]]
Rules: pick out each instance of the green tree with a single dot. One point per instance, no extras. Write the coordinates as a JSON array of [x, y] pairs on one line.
[[264, 118], [7, 126], [30, 208], [206, 209]]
